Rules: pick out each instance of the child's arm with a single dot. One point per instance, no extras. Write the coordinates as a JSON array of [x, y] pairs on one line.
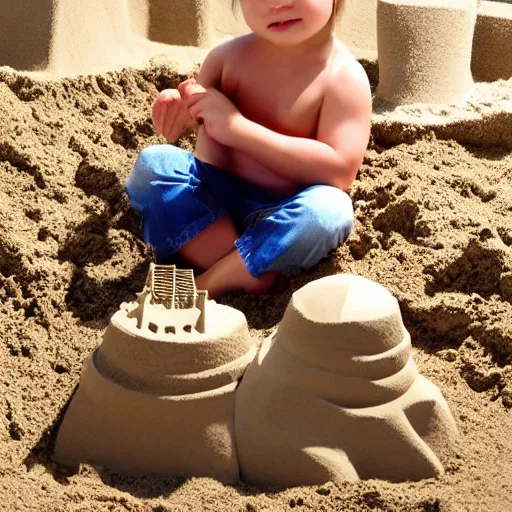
[[333, 158], [170, 114], [342, 136]]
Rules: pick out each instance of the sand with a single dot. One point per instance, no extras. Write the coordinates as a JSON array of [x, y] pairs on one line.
[[433, 224]]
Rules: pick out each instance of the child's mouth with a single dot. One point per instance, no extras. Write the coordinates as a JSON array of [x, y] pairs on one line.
[[282, 25]]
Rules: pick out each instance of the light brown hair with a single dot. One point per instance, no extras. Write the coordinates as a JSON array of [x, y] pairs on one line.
[[336, 10]]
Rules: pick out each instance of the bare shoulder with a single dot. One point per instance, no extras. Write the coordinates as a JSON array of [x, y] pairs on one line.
[[345, 115], [347, 82], [218, 58]]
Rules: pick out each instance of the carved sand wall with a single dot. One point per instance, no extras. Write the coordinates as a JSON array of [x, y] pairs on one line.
[[67, 37]]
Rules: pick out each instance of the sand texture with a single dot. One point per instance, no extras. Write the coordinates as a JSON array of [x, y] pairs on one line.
[[433, 224]]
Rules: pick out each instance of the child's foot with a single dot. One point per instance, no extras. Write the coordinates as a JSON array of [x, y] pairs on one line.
[[271, 283], [230, 274]]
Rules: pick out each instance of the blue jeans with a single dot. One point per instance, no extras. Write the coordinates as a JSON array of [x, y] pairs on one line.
[[179, 196]]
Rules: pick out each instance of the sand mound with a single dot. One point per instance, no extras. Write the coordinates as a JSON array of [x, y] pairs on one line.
[[335, 395]]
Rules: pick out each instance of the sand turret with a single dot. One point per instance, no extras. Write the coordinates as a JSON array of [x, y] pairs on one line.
[[493, 34], [424, 50], [157, 396], [335, 395]]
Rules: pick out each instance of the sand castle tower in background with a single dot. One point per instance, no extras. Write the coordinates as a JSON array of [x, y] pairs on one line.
[[158, 394], [333, 395], [425, 49], [69, 37]]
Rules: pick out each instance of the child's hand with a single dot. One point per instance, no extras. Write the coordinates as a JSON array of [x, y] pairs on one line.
[[215, 110], [190, 87], [170, 114]]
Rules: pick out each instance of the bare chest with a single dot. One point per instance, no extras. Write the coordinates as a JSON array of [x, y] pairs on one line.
[[284, 102]]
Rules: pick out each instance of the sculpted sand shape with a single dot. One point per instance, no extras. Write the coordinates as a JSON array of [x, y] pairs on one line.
[[335, 394], [425, 50], [68, 37], [157, 396], [493, 33]]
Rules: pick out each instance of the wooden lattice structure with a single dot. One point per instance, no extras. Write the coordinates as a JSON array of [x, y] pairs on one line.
[[173, 287], [175, 290]]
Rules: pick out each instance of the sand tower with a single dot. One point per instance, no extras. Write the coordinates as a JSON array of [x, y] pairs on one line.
[[158, 394], [67, 37], [335, 395], [424, 49], [493, 33]]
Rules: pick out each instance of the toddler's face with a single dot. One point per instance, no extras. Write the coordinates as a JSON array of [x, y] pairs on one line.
[[286, 22]]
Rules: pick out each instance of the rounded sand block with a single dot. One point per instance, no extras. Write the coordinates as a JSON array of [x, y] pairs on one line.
[[424, 50], [176, 363], [335, 395], [493, 34], [140, 433], [158, 396]]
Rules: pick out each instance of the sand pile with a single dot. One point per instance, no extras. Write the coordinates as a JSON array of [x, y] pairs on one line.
[[334, 394], [433, 224]]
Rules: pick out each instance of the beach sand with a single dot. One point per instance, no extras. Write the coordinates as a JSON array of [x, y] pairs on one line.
[[433, 209], [433, 224]]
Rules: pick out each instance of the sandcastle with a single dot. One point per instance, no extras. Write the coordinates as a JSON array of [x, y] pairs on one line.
[[67, 37], [158, 394], [333, 395], [425, 50]]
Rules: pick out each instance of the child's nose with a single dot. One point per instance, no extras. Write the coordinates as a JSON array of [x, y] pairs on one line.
[[279, 6]]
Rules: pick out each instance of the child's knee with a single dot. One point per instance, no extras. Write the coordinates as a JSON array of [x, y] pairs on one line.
[[323, 219], [153, 162], [328, 213], [140, 178]]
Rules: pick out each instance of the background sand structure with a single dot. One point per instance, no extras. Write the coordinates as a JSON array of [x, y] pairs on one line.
[[492, 42], [422, 46], [69, 37]]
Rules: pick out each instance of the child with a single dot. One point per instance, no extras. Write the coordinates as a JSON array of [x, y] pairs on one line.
[[283, 118]]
